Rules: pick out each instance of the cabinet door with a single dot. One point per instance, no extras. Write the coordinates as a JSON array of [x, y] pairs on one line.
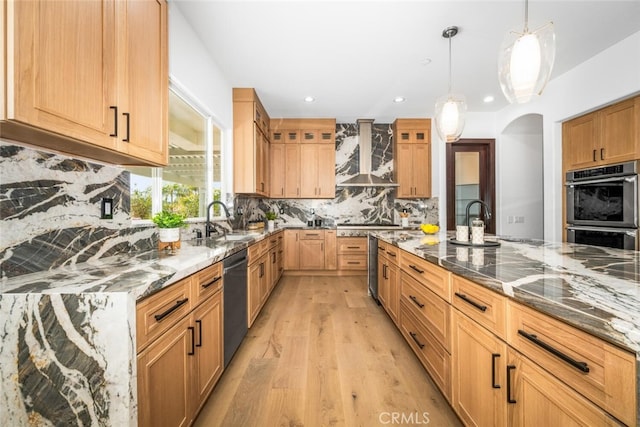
[[538, 399], [261, 166], [326, 171], [580, 138], [478, 374], [164, 378], [620, 133], [291, 252], [144, 89], [330, 250], [393, 297], [309, 167], [404, 171], [254, 298], [64, 68], [292, 171], [421, 155], [311, 254], [208, 347], [383, 283], [277, 182]]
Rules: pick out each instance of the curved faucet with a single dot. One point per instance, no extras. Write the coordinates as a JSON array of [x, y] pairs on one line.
[[487, 211], [208, 227]]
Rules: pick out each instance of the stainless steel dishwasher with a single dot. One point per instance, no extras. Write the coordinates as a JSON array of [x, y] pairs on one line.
[[234, 302]]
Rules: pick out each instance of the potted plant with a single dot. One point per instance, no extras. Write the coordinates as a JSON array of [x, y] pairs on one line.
[[271, 216], [169, 224]]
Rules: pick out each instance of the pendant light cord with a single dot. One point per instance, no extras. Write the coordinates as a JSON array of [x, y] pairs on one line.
[[449, 65], [526, 16]]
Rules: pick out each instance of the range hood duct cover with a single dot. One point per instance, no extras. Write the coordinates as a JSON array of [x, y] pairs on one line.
[[364, 178]]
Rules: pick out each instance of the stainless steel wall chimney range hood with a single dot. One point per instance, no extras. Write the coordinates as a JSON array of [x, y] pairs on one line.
[[364, 178]]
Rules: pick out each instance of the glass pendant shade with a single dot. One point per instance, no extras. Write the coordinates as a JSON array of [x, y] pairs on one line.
[[525, 63], [451, 111]]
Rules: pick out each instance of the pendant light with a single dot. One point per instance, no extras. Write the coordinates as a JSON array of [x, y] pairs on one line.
[[526, 60], [450, 109]]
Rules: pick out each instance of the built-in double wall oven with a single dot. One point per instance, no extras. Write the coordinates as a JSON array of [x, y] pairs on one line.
[[602, 206]]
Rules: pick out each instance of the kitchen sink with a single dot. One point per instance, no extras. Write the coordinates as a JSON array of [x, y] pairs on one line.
[[239, 237]]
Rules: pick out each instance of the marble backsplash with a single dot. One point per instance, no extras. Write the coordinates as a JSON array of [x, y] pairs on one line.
[[50, 208], [50, 205]]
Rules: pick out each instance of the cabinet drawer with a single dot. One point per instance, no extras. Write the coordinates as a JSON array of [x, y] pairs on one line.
[[312, 235], [432, 311], [433, 356], [206, 282], [482, 305], [352, 245], [352, 262], [433, 277], [160, 311], [603, 373], [256, 250], [392, 253]]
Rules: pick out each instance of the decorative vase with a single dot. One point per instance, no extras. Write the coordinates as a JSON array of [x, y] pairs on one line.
[[169, 235], [271, 224]]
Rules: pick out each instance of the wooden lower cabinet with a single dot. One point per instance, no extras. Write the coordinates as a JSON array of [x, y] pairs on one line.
[[177, 372], [478, 373], [311, 254], [388, 287], [536, 398], [257, 280]]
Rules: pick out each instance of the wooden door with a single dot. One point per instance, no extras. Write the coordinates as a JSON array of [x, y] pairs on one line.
[[478, 374], [485, 155], [538, 399], [164, 378], [64, 68], [277, 182], [292, 171], [383, 282], [291, 252], [421, 166], [404, 171], [620, 136], [145, 81], [326, 171], [309, 170], [393, 297], [208, 359], [311, 254], [330, 250], [254, 298], [580, 141]]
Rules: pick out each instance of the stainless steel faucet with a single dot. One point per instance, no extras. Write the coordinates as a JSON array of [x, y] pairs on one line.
[[487, 211], [208, 228]]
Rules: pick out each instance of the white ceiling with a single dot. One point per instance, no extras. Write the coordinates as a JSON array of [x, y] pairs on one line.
[[355, 57]]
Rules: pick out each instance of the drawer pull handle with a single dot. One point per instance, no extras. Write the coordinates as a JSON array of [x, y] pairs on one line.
[[494, 356], [534, 339], [353, 262], [509, 369], [354, 247], [380, 249], [115, 120], [126, 138], [199, 322], [415, 300], [415, 338], [193, 341], [216, 279], [164, 314], [416, 268], [391, 254], [466, 299]]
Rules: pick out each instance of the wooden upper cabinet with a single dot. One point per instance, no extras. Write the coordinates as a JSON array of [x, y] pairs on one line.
[[412, 160], [250, 144], [292, 170], [317, 171], [610, 135], [277, 170], [88, 78]]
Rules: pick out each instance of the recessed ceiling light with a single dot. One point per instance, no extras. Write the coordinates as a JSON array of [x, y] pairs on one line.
[[488, 99], [399, 99], [309, 99]]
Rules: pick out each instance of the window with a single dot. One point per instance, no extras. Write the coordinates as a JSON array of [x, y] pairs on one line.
[[192, 179]]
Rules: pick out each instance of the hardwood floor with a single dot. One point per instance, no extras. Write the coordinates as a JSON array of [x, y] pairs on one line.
[[323, 353]]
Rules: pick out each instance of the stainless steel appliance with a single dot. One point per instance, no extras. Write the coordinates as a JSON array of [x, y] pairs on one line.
[[602, 206], [234, 302], [363, 230]]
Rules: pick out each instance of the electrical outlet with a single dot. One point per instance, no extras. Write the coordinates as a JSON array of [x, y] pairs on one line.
[[281, 210]]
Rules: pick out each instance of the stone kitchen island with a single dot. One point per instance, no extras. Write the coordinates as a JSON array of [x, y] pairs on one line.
[[593, 289], [68, 351]]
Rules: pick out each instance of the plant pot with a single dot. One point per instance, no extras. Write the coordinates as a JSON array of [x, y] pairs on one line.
[[169, 235], [271, 224]]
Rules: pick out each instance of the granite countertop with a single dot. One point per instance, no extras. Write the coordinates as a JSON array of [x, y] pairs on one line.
[[140, 274], [593, 288]]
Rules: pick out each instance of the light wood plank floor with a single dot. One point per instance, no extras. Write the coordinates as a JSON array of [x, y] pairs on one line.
[[322, 353]]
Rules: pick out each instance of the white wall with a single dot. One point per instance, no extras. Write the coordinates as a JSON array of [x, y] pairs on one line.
[[192, 68], [612, 75]]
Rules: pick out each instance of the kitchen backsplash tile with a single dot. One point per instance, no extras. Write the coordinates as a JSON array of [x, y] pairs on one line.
[[50, 211]]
